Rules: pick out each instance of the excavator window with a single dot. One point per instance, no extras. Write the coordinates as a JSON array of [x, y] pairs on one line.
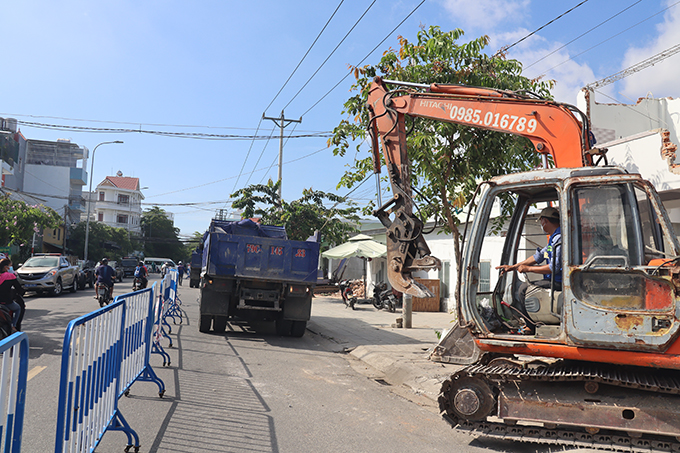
[[616, 230]]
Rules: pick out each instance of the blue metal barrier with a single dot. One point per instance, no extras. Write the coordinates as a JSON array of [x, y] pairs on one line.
[[90, 380], [13, 376], [139, 321], [104, 353]]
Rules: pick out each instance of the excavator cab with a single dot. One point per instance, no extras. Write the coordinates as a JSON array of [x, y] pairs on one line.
[[617, 267]]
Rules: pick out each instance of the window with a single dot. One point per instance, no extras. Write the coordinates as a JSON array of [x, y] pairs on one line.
[[100, 216], [123, 199], [122, 218], [101, 196]]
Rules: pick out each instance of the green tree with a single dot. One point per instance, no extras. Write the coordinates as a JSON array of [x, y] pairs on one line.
[[301, 217], [105, 241], [21, 220], [447, 160], [161, 238]]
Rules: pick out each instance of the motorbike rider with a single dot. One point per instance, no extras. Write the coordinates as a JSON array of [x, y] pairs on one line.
[[105, 276], [164, 269], [141, 272], [8, 286]]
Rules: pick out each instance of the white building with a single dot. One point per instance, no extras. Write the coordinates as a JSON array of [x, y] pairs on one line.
[[117, 202]]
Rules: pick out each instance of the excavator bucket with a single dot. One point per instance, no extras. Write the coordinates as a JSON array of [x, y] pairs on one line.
[[457, 347]]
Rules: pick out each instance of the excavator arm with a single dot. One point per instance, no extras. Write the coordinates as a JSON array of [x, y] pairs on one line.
[[552, 127]]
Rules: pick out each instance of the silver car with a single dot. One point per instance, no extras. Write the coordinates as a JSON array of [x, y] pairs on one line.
[[48, 273]]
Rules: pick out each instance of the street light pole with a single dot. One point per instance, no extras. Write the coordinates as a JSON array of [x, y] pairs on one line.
[[89, 194]]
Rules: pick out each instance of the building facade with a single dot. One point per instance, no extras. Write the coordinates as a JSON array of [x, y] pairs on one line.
[[117, 202]]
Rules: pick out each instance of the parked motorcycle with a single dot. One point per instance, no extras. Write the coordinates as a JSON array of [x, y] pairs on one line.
[[383, 297], [103, 294], [346, 292]]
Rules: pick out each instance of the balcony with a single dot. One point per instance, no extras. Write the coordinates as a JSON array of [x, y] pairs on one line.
[[78, 176]]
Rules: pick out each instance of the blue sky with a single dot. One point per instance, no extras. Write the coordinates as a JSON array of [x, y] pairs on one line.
[[214, 67]]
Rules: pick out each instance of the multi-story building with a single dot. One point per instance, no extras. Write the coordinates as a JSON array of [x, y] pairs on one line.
[[46, 169], [117, 202], [9, 147]]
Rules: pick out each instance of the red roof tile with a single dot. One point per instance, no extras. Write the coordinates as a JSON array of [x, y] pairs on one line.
[[123, 182]]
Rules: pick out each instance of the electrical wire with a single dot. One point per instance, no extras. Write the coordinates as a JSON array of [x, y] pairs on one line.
[[612, 37], [366, 57], [506, 48], [582, 34], [331, 54], [305, 55], [195, 135]]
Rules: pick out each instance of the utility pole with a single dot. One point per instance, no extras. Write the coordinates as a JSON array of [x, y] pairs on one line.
[[282, 122]]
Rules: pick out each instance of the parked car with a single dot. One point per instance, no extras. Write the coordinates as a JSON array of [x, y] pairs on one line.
[[48, 272], [120, 272], [85, 274]]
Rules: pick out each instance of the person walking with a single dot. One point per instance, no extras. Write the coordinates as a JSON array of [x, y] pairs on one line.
[[180, 272]]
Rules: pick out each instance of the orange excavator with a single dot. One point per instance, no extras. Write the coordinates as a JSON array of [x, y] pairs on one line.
[[591, 362]]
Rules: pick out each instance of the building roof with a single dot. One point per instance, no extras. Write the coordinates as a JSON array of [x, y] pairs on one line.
[[122, 182]]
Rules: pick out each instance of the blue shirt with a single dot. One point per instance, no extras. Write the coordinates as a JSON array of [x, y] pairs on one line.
[[105, 274], [549, 251]]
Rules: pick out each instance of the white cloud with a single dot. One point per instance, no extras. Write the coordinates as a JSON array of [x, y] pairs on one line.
[[662, 78], [485, 13], [569, 75]]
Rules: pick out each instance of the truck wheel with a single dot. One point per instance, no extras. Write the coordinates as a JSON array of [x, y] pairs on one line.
[[204, 325], [220, 324], [74, 286], [298, 329], [283, 327], [57, 290]]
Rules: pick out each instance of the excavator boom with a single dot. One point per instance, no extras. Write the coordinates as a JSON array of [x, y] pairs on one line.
[[552, 127]]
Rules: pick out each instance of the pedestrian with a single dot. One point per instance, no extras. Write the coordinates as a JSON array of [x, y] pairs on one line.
[[180, 272], [9, 286]]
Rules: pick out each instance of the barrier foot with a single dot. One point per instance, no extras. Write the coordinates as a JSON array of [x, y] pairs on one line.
[[149, 375], [158, 349], [118, 423]]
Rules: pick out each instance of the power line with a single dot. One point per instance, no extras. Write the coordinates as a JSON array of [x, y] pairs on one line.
[[366, 57], [506, 48], [331, 54], [612, 37], [194, 135], [232, 177], [305, 55], [582, 34]]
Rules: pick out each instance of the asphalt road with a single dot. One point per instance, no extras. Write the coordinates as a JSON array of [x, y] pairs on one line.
[[248, 390]]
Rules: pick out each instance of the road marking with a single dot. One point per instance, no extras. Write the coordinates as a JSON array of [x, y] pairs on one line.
[[34, 372]]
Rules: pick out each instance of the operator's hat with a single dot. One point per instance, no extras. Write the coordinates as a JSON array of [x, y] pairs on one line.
[[550, 213]]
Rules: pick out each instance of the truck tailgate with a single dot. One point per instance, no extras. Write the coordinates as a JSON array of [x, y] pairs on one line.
[[231, 255]]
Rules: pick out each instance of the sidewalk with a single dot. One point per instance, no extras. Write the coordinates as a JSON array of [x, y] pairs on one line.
[[400, 355]]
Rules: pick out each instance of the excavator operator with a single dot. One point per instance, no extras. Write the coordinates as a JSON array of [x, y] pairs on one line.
[[551, 254]]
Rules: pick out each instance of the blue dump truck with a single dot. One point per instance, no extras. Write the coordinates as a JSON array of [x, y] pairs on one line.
[[254, 272]]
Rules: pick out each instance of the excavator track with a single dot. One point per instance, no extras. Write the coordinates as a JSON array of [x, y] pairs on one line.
[[489, 378]]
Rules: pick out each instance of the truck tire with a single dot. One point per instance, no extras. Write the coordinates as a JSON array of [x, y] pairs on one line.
[[298, 329], [283, 327], [220, 324], [204, 325], [74, 286]]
